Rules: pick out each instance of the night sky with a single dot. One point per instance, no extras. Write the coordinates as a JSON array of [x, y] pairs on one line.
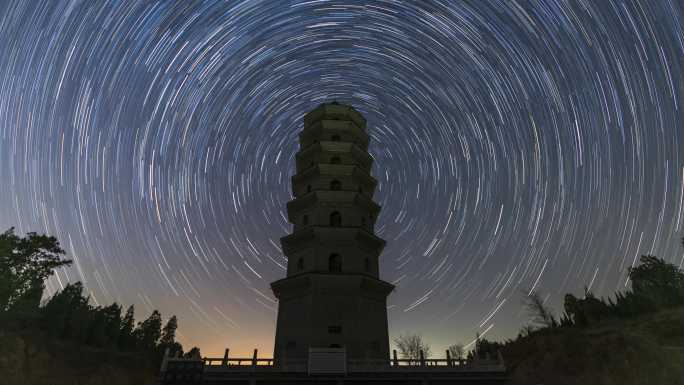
[[519, 145]]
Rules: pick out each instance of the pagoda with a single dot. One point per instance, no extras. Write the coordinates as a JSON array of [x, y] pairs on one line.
[[332, 305], [332, 296]]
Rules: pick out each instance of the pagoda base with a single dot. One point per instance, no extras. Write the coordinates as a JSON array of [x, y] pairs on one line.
[[179, 373]]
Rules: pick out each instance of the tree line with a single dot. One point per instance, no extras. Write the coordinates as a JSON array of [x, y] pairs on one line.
[[26, 262], [656, 285]]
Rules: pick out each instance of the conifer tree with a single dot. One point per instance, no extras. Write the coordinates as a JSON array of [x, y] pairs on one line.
[[168, 339], [96, 328], [148, 332], [168, 335], [112, 327], [126, 339]]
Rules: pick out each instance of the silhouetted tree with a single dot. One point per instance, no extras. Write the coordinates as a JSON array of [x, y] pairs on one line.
[[410, 345], [541, 314], [457, 351], [656, 284], [148, 332], [79, 315], [103, 326], [168, 335], [485, 349], [63, 313], [168, 338], [24, 264], [193, 353], [126, 338], [585, 311], [660, 282], [112, 324], [25, 307], [628, 305], [96, 328], [574, 316]]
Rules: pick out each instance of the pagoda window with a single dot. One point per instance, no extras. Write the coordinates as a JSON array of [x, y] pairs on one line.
[[300, 264], [308, 188], [366, 263], [336, 185], [335, 219], [335, 138], [305, 220], [334, 263], [335, 160]]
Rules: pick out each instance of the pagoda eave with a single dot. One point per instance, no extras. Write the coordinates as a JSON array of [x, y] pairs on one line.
[[299, 238]]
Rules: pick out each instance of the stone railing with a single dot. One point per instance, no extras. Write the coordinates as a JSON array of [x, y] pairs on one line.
[[256, 364]]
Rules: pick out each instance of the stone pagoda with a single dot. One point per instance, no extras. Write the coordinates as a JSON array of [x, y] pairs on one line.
[[332, 296], [332, 306]]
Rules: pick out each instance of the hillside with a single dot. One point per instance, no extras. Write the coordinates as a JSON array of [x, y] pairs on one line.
[[32, 359], [648, 350], [640, 351]]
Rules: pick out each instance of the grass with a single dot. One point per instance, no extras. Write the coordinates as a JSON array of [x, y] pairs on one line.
[[640, 351]]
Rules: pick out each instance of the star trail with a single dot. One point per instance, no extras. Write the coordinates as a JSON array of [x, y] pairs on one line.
[[519, 146]]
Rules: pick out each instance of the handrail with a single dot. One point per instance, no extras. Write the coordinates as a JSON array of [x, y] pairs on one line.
[[394, 363], [236, 361], [250, 361]]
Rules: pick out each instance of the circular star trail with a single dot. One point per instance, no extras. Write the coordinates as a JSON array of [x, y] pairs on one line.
[[519, 146]]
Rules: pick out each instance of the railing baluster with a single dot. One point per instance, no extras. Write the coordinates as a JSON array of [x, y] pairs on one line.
[[394, 363], [254, 359], [225, 358]]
